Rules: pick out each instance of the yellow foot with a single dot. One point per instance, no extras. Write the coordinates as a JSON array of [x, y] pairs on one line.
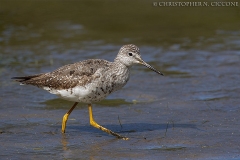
[[96, 125], [64, 122], [65, 117], [113, 133]]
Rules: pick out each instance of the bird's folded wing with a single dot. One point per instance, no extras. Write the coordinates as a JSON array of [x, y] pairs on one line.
[[67, 76]]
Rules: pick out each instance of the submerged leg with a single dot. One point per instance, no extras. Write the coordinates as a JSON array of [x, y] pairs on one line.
[[65, 117], [94, 124]]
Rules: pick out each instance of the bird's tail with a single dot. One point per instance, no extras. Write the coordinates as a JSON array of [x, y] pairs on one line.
[[24, 79]]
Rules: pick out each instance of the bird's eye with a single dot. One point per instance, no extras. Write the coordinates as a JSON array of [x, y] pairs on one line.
[[130, 54]]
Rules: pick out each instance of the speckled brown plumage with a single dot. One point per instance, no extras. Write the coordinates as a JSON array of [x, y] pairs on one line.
[[67, 76]]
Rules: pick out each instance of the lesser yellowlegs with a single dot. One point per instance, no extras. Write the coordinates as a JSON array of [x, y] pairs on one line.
[[89, 81]]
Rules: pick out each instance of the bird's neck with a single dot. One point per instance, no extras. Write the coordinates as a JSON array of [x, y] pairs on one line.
[[119, 62], [121, 66], [121, 70], [121, 74]]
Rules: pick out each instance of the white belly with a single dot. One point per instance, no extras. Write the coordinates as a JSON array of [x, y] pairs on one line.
[[79, 94]]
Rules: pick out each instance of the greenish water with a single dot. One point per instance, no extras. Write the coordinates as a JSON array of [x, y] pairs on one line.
[[190, 113]]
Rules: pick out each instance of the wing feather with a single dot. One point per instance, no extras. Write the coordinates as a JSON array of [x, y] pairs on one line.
[[67, 76]]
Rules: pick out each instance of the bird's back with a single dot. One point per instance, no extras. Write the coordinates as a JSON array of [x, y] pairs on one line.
[[67, 76]]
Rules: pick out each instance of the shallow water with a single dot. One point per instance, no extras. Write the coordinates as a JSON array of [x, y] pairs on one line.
[[190, 113]]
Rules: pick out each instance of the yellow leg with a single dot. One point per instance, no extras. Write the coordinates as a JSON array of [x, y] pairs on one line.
[[94, 124], [65, 117]]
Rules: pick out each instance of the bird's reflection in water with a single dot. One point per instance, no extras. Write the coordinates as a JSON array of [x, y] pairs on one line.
[[64, 142]]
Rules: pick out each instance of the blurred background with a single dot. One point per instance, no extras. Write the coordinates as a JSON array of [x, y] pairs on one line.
[[192, 112]]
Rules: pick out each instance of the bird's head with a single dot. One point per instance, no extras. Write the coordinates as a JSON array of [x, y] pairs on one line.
[[130, 55]]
